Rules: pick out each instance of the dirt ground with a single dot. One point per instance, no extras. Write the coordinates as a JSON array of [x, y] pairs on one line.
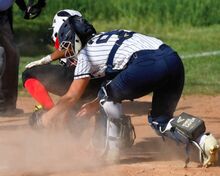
[[26, 152]]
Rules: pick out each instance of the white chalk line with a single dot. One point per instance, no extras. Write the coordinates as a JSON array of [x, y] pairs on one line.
[[202, 54]]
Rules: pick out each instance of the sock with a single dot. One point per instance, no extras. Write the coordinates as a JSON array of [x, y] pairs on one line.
[[57, 43], [39, 93]]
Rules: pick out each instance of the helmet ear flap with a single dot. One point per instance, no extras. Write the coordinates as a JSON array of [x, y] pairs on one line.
[[78, 44]]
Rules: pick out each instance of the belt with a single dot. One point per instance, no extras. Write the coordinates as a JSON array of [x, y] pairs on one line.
[[163, 50]]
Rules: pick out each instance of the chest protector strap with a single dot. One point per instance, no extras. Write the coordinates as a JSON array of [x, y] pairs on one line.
[[122, 36]]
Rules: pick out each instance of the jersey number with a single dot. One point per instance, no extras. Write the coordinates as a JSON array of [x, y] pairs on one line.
[[103, 38]]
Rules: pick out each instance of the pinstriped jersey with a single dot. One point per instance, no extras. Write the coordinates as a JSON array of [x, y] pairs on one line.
[[93, 57]]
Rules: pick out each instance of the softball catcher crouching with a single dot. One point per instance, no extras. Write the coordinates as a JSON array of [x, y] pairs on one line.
[[134, 65]]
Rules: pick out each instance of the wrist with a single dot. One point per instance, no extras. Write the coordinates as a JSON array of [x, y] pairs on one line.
[[47, 59]]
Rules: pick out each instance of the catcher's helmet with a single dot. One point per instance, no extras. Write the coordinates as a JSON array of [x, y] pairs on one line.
[[59, 19], [75, 31]]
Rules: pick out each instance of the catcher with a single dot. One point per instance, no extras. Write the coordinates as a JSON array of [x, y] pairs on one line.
[[133, 65]]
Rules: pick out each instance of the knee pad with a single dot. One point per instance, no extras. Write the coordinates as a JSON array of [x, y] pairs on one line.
[[112, 113], [182, 128], [188, 126], [118, 131], [185, 129], [110, 108]]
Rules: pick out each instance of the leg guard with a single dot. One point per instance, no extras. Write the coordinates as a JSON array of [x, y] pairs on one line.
[[119, 130], [126, 133], [185, 129]]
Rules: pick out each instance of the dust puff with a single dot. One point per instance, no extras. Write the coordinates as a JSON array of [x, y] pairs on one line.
[[28, 150]]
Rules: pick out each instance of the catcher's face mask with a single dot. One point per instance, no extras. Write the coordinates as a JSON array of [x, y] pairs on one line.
[[67, 47]]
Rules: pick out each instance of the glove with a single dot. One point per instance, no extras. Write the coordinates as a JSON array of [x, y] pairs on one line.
[[44, 60], [34, 11], [35, 120]]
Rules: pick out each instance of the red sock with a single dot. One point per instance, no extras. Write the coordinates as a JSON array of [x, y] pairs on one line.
[[39, 93]]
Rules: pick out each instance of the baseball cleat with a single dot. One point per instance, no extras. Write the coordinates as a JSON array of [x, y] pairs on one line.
[[210, 147], [35, 120], [38, 107]]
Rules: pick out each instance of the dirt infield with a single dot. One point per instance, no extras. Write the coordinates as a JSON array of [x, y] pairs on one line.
[[25, 152]]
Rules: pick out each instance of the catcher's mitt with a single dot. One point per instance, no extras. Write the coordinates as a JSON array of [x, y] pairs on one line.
[[34, 10], [35, 120]]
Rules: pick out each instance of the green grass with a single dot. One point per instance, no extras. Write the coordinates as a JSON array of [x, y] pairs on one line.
[[202, 75], [146, 16], [188, 26], [197, 12]]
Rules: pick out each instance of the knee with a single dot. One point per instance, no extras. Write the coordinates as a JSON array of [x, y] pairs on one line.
[[26, 75]]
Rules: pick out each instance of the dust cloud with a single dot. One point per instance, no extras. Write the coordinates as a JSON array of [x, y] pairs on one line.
[[28, 150]]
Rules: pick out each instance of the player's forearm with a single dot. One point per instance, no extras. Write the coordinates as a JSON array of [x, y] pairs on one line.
[[59, 113], [67, 101], [57, 54]]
